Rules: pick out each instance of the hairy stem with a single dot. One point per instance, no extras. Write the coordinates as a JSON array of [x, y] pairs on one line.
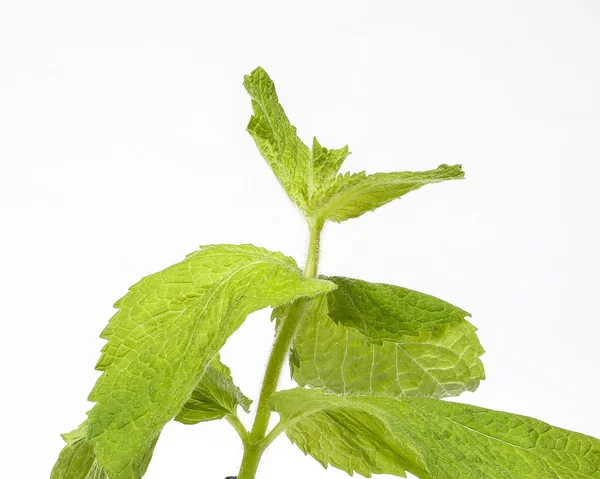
[[252, 455], [314, 244], [238, 426], [257, 441]]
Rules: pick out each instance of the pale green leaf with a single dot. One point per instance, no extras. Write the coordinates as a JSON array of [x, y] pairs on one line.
[[352, 195], [77, 460], [215, 397], [432, 439], [305, 174], [326, 163], [438, 361], [309, 175], [323, 165], [169, 327], [276, 138]]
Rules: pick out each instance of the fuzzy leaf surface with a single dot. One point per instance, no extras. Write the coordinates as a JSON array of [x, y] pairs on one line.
[[432, 439], [383, 311], [324, 165], [352, 195], [276, 138], [215, 397], [168, 329], [77, 460], [375, 343], [304, 173]]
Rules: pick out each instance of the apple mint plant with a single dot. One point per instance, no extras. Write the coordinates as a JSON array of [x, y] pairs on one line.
[[373, 361]]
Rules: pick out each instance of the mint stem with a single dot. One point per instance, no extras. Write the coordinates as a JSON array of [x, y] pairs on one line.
[[256, 443]]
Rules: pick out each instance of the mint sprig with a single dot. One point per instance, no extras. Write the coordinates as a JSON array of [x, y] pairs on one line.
[[374, 360]]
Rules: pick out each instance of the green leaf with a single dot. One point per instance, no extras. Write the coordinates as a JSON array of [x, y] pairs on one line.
[[276, 138], [215, 397], [384, 339], [350, 440], [310, 176], [304, 174], [383, 311], [168, 329], [352, 195], [432, 439], [323, 167], [78, 461]]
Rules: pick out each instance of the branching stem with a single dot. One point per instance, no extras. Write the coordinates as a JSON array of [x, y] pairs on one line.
[[238, 426], [257, 440]]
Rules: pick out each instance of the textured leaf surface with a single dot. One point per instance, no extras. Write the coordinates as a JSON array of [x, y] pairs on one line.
[[355, 194], [214, 397], [310, 175], [77, 460], [383, 311], [169, 327], [432, 439], [440, 361], [323, 167], [276, 138], [304, 173]]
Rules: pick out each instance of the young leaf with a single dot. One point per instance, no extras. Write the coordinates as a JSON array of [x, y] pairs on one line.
[[390, 355], [309, 176], [432, 439], [323, 167], [304, 174], [325, 164], [215, 397], [168, 329], [276, 138], [355, 194]]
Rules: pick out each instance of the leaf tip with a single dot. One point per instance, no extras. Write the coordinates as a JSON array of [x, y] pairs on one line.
[[455, 171]]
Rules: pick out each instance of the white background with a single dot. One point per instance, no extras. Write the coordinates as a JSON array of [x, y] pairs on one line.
[[122, 148]]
